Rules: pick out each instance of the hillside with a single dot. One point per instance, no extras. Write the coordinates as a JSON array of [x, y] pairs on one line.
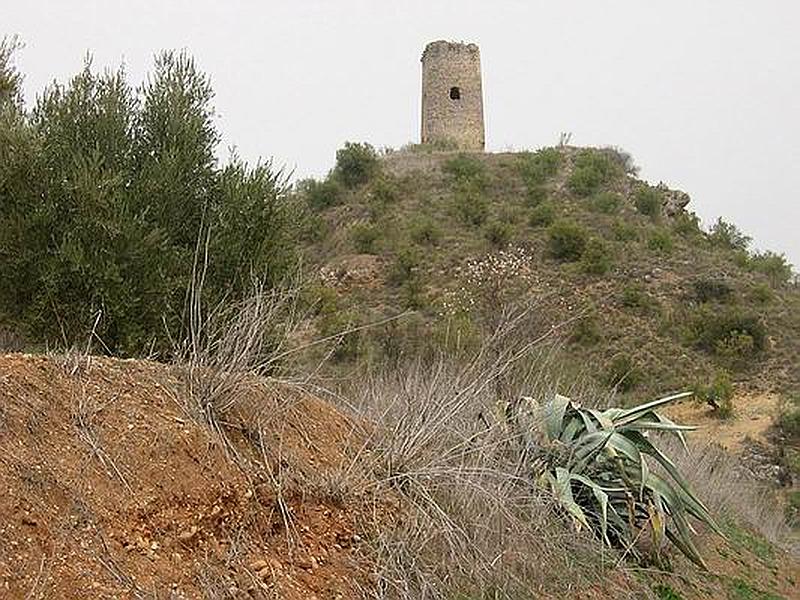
[[640, 299], [641, 287], [114, 486]]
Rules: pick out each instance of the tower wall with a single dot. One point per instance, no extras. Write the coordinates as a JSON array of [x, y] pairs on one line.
[[452, 95]]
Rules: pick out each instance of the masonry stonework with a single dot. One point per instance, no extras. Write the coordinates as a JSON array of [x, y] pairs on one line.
[[452, 95]]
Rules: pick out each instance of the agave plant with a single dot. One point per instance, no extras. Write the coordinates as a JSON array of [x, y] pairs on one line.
[[609, 477]]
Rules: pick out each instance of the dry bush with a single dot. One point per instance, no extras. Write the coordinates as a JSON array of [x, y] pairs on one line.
[[729, 492], [472, 522]]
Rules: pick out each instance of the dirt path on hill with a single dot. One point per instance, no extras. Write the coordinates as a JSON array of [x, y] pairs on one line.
[[752, 418]]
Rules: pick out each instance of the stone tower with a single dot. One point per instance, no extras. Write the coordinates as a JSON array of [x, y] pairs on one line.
[[452, 96]]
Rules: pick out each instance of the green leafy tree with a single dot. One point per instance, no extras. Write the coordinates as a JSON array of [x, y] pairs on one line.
[[107, 194]]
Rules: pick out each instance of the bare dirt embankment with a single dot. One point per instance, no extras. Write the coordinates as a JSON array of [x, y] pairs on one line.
[[110, 489], [752, 419]]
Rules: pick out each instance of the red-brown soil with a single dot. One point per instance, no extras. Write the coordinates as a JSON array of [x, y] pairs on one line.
[[110, 489]]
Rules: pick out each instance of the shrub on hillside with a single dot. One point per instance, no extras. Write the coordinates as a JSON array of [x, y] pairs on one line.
[[727, 235], [660, 241], [537, 167], [356, 164], [648, 201], [775, 266], [711, 290], [320, 195], [596, 258], [718, 394], [406, 261], [624, 232], [687, 225], [635, 297], [789, 417], [498, 233], [731, 334], [623, 158], [586, 331], [472, 208], [622, 374], [542, 215], [384, 190], [342, 328], [365, 237], [566, 240], [606, 202], [424, 230], [106, 191], [466, 172], [760, 293], [591, 170]]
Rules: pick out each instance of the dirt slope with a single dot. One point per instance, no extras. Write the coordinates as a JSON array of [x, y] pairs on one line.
[[111, 490]]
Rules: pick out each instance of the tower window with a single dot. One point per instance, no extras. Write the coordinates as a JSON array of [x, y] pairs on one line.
[[455, 93]]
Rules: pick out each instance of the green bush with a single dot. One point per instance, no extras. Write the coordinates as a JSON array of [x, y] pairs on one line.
[[622, 373], [424, 230], [648, 201], [566, 240], [687, 225], [708, 290], [731, 333], [535, 195], [406, 260], [472, 208], [760, 293], [537, 167], [542, 215], [789, 417], [718, 394], [340, 326], [624, 232], [606, 202], [735, 349], [586, 331], [775, 266], [356, 164], [727, 235], [106, 191], [384, 190], [623, 158], [665, 592], [466, 172], [498, 233], [596, 257], [320, 195], [660, 241], [365, 237], [591, 170], [635, 297]]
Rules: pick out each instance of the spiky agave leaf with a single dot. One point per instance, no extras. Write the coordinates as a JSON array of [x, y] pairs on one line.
[[605, 483]]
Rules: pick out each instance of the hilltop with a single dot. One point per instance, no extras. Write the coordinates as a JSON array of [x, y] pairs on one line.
[[618, 264]]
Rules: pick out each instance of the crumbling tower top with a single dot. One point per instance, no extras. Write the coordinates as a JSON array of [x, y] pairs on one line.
[[452, 95]]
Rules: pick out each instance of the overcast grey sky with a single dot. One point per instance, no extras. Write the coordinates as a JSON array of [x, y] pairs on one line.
[[703, 93]]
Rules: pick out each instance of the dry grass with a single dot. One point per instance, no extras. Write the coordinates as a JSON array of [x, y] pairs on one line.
[[729, 492], [471, 522]]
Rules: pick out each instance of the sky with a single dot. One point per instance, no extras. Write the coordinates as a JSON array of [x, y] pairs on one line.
[[705, 94]]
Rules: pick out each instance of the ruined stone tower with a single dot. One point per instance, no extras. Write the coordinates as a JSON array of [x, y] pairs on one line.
[[452, 97]]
